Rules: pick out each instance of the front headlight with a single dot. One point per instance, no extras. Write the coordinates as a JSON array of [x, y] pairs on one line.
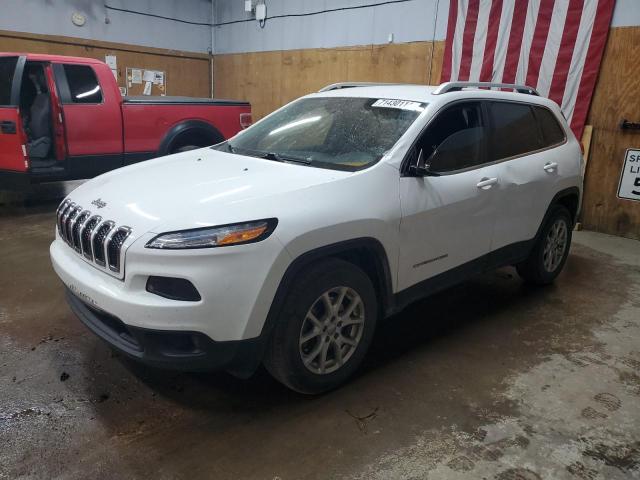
[[234, 234]]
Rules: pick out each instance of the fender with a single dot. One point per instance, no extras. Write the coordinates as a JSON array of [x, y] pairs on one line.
[[189, 126], [380, 276], [567, 192]]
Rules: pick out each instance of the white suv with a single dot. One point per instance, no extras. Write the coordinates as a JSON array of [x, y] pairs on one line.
[[286, 244]]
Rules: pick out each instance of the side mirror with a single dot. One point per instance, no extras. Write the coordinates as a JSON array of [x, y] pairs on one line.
[[420, 168]]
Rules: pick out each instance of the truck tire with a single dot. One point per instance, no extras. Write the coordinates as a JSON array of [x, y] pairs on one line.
[[549, 253], [324, 329]]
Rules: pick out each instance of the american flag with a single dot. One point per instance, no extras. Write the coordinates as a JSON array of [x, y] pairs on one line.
[[554, 46]]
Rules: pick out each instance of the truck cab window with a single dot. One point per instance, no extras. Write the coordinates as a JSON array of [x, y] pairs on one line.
[[83, 84], [7, 69]]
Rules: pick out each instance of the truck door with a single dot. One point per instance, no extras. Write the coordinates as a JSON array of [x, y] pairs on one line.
[[91, 105], [12, 137]]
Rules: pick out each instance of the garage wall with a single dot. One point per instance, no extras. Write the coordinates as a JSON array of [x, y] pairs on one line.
[[409, 21], [188, 73], [617, 97], [271, 79], [53, 17]]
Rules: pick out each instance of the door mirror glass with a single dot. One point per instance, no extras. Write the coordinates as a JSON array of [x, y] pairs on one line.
[[417, 167]]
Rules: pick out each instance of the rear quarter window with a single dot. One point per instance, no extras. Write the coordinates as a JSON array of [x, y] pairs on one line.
[[83, 84], [514, 130], [552, 132]]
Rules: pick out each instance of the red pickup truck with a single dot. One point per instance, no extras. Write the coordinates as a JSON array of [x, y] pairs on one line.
[[64, 118]]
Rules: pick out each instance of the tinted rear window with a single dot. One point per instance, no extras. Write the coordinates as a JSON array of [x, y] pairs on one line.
[[552, 132], [7, 71], [83, 84], [515, 131]]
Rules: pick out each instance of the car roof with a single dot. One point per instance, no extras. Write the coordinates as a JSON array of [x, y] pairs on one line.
[[425, 94], [42, 57]]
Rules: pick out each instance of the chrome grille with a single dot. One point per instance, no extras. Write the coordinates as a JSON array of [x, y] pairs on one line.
[[68, 223], [85, 236], [77, 223], [98, 241], [114, 244]]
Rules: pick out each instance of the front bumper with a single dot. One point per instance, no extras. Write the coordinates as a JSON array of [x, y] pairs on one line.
[[236, 284], [174, 350]]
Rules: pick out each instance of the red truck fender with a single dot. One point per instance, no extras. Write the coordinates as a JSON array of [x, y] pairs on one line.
[[187, 135]]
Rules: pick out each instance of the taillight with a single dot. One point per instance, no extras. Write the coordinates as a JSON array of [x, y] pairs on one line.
[[245, 120]]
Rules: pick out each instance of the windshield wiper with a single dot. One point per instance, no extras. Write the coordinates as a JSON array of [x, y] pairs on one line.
[[279, 157]]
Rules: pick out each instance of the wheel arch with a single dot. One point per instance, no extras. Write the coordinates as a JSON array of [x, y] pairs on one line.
[[366, 253], [184, 129], [568, 198]]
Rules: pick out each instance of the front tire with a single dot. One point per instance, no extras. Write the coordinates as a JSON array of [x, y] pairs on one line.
[[549, 253], [325, 328]]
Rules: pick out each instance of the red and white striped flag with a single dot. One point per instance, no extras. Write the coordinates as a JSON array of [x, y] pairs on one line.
[[554, 46]]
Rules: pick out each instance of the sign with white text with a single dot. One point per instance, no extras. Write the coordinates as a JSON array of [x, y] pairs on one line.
[[629, 187]]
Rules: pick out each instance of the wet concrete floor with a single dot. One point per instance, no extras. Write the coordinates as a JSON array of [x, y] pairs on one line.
[[490, 379]]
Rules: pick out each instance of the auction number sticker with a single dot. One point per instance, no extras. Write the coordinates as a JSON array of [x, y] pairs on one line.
[[399, 104], [629, 187]]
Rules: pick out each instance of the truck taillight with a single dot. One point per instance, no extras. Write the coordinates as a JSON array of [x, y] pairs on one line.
[[245, 120]]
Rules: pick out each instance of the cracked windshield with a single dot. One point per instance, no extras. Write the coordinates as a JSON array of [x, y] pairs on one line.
[[344, 133]]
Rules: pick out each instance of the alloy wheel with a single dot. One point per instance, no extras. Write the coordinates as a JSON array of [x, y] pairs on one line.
[[331, 330], [555, 245]]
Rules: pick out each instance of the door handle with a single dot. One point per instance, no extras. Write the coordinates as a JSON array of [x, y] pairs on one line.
[[550, 166], [8, 126], [485, 183]]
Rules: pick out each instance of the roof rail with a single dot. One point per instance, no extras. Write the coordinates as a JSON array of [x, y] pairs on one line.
[[457, 86], [338, 86]]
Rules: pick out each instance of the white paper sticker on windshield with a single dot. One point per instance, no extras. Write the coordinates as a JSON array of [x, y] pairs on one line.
[[399, 104]]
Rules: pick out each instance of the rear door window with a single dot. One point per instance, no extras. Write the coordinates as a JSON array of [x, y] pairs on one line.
[[514, 130], [7, 71], [83, 84], [552, 132]]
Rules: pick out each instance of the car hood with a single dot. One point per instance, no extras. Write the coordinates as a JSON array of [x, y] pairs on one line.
[[198, 188]]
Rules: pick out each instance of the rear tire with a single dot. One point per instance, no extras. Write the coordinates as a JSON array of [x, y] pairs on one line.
[[549, 253], [325, 327]]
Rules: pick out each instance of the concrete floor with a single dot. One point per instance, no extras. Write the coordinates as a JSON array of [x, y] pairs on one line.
[[487, 380]]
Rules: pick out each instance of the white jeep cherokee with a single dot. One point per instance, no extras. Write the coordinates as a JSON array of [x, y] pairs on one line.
[[286, 244]]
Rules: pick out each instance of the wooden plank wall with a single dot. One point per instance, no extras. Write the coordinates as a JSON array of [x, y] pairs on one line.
[[271, 79], [188, 73], [617, 96]]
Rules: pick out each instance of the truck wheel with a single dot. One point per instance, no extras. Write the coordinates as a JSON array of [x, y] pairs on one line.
[[325, 327], [549, 254]]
